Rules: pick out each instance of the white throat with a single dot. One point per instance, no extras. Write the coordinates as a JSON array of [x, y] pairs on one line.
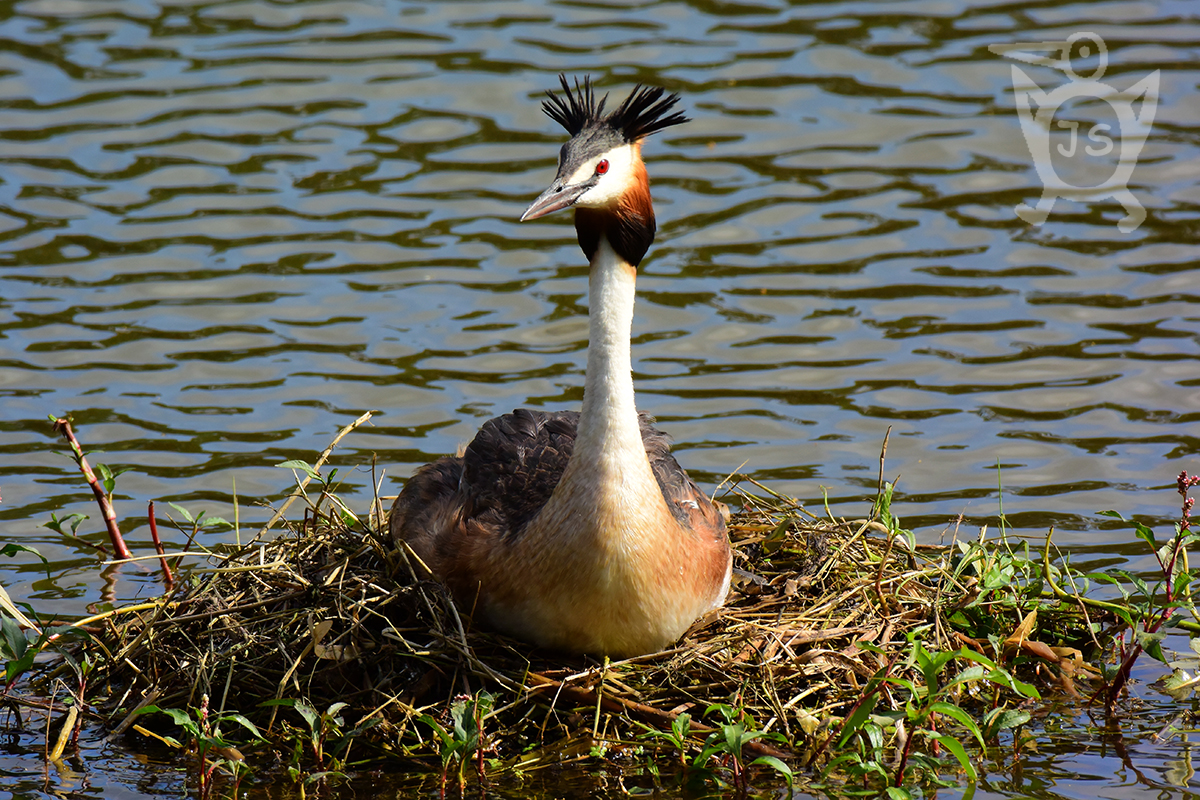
[[608, 494]]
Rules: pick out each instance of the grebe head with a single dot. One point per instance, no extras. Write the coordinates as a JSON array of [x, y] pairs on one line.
[[601, 164]]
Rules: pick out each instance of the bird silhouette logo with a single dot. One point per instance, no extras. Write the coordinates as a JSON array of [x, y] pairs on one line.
[[1068, 166]]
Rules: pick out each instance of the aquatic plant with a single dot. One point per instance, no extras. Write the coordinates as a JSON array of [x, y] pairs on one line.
[[727, 744], [461, 741], [16, 651], [326, 741], [929, 704], [1147, 612], [214, 750]]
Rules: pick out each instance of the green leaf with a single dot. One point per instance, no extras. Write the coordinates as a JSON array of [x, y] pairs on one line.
[[448, 744], [311, 717], [1138, 583], [997, 578], [110, 477], [14, 638], [873, 734], [181, 718], [734, 739], [13, 669], [1117, 582], [968, 675], [107, 478], [11, 549], [978, 658], [855, 720], [1125, 615], [724, 709], [844, 758], [1003, 678], [364, 726], [935, 665], [18, 643], [1005, 718], [884, 503], [74, 520], [186, 514], [681, 726], [775, 764], [1152, 644], [1116, 514], [1145, 534], [959, 752], [1179, 685], [898, 793], [303, 466], [245, 723], [1173, 620], [962, 717]]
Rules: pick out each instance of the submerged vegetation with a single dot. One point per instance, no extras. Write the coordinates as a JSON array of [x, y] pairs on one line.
[[848, 659]]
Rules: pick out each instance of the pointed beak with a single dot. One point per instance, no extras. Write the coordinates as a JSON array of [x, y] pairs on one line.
[[557, 197]]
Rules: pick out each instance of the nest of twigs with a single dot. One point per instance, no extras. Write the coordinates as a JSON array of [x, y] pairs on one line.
[[326, 611], [329, 611]]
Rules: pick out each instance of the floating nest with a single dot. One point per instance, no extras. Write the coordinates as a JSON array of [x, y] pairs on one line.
[[328, 611]]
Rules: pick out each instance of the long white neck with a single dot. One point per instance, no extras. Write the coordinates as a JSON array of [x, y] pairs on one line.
[[609, 436]]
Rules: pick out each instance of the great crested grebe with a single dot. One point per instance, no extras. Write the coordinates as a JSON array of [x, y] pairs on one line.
[[580, 531]]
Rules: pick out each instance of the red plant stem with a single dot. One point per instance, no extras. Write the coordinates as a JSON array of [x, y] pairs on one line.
[[1183, 483], [168, 578], [1130, 658], [903, 766], [106, 509], [1122, 676]]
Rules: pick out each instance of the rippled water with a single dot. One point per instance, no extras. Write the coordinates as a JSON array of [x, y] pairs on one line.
[[228, 228]]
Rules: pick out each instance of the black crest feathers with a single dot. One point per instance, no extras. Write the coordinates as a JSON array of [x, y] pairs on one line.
[[642, 113]]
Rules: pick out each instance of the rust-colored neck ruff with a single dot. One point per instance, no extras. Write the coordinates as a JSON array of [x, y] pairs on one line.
[[628, 225]]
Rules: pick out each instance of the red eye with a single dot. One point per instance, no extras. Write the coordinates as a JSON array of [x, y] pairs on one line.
[[602, 167]]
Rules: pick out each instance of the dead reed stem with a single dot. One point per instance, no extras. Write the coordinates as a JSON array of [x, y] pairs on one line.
[[278, 515]]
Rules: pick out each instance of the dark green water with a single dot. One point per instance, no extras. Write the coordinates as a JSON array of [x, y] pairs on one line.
[[228, 228]]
